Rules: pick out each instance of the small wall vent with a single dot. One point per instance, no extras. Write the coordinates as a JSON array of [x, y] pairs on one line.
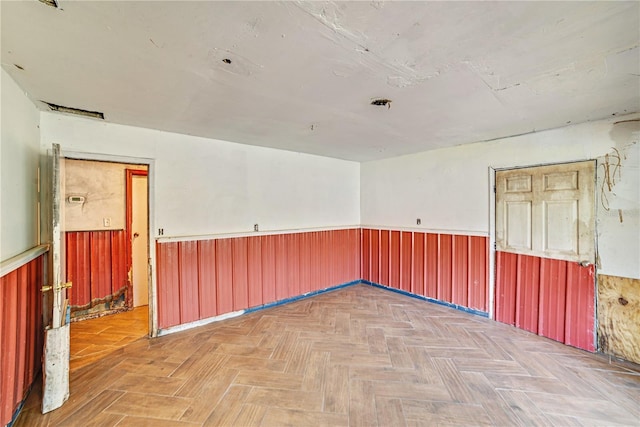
[[76, 111]]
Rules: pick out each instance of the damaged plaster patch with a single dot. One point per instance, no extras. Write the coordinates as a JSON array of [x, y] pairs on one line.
[[619, 171], [75, 111], [332, 16]]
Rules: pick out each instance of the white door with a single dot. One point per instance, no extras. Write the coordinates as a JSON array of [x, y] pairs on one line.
[[547, 211], [139, 240], [55, 359]]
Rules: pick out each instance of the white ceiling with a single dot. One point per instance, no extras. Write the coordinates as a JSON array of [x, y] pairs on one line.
[[303, 74]]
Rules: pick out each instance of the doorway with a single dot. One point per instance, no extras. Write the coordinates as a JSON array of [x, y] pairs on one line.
[[106, 223], [545, 251]]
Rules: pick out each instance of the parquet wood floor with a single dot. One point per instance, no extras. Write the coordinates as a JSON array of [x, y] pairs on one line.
[[93, 339], [359, 356]]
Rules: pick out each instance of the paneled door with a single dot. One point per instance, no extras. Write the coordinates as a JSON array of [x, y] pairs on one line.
[[547, 211], [545, 251]]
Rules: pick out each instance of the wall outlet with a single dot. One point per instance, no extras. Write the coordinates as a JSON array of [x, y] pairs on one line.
[[418, 221], [160, 231], [106, 222], [255, 227]]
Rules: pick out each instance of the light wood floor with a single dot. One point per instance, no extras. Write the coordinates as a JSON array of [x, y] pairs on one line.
[[359, 356], [93, 339]]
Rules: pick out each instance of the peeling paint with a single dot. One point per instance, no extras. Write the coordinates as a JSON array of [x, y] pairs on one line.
[[619, 170]]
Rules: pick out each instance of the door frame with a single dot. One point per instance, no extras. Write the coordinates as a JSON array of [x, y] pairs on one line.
[[492, 231], [129, 174], [150, 163]]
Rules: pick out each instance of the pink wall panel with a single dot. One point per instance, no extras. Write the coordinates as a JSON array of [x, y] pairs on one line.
[[292, 280], [431, 265], [316, 266], [505, 293], [460, 270], [527, 290], [96, 265], [100, 258], [168, 284], [417, 265], [188, 281], [445, 243], [334, 242], [282, 267], [212, 277], [441, 266], [21, 335], [549, 297], [11, 317], [21, 328], [224, 278], [325, 259], [406, 257], [384, 257], [553, 290], [356, 248], [254, 271], [305, 263], [366, 254], [78, 267], [374, 262], [580, 312], [268, 249], [207, 287], [240, 277], [119, 277], [478, 273], [394, 259]]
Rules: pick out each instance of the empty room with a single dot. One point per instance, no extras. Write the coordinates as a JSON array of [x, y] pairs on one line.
[[358, 213]]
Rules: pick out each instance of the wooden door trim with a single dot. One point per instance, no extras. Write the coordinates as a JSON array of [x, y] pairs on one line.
[[130, 173]]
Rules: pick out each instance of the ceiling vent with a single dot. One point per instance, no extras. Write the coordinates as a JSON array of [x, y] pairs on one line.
[[52, 3], [381, 102], [76, 111]]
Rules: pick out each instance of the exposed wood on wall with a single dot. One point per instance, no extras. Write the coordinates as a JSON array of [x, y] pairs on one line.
[[619, 316]]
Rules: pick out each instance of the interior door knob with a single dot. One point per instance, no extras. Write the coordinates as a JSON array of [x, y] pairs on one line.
[[136, 234]]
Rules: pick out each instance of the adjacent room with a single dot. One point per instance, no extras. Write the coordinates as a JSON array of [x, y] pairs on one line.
[[319, 213]]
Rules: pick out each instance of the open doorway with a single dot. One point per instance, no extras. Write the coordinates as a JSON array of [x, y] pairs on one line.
[[107, 253]]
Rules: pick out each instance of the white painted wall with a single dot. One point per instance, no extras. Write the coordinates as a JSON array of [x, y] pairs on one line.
[[102, 184], [207, 187], [449, 188], [19, 160]]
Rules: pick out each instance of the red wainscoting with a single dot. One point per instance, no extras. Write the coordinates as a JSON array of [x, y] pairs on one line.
[[548, 297], [449, 268], [206, 278], [96, 264], [21, 336]]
